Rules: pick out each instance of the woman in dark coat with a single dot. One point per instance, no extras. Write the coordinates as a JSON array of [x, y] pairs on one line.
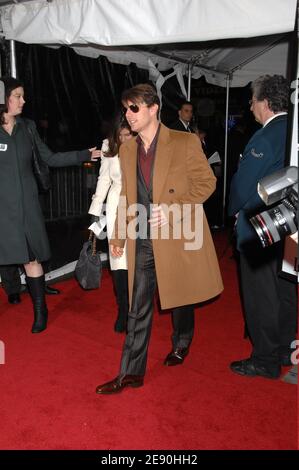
[[23, 238]]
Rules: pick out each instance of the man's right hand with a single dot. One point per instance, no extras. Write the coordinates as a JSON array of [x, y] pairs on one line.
[[295, 236], [116, 251]]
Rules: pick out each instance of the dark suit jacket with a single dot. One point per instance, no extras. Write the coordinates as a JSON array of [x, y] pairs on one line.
[[263, 155], [179, 126]]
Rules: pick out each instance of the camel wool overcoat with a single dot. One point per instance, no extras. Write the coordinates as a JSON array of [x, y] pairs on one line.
[[182, 181]]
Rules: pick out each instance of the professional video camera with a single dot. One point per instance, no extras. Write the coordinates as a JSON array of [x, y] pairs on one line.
[[279, 220]]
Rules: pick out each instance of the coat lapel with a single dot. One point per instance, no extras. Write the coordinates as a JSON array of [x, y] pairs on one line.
[[130, 163], [161, 165], [162, 162]]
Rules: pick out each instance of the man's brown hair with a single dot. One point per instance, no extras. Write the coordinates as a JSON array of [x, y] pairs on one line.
[[142, 93]]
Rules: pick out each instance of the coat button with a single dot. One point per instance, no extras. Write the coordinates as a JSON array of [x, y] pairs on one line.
[[171, 190]]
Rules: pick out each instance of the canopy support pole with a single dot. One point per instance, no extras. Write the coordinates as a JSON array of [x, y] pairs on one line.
[[228, 80], [13, 61], [189, 82]]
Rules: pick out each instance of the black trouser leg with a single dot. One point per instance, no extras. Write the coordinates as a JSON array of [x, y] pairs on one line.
[[261, 294], [140, 317], [287, 315], [36, 287], [120, 278], [10, 279], [183, 326]]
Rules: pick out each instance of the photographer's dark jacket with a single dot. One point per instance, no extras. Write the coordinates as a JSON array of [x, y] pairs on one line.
[[20, 213], [263, 155]]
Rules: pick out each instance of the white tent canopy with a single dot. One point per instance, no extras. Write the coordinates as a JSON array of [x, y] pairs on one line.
[[166, 33], [117, 23]]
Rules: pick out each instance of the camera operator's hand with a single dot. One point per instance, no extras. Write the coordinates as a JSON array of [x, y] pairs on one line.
[[94, 219]]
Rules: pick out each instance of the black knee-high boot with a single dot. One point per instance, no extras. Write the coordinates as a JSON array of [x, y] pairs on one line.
[[120, 278], [36, 287]]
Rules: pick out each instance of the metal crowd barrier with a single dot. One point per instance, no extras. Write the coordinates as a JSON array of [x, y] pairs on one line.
[[71, 192]]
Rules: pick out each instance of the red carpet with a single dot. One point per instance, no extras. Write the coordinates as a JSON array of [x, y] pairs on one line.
[[48, 380]]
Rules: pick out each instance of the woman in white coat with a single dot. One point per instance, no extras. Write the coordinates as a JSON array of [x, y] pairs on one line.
[[109, 182]]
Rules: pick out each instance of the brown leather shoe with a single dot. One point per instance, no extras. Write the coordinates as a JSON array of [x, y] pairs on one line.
[[176, 357], [119, 383]]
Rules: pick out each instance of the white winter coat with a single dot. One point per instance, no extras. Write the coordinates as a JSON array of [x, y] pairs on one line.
[[109, 182]]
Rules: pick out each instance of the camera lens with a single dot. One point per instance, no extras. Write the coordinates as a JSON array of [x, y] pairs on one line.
[[276, 223]]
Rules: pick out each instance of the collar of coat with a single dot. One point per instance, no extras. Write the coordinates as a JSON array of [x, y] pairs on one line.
[[128, 157]]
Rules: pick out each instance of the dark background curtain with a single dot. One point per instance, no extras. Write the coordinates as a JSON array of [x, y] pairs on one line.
[[70, 97]]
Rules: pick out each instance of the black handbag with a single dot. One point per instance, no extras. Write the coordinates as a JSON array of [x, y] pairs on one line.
[[40, 168], [88, 270]]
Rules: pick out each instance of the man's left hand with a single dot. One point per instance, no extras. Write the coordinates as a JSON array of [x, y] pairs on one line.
[[158, 218]]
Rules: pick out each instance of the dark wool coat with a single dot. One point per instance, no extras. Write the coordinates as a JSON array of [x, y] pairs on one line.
[[264, 154], [21, 217]]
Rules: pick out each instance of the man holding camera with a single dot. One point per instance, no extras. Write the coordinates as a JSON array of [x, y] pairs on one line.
[[269, 300]]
